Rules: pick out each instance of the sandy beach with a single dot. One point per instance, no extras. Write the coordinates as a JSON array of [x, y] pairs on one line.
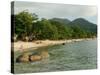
[[22, 46]]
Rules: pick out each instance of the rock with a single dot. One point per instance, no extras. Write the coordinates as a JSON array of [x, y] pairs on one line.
[[23, 58], [44, 54], [33, 58], [38, 42], [63, 43]]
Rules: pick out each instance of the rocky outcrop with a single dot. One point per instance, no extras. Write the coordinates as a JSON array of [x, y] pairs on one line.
[[44, 54], [23, 58], [29, 57], [33, 58]]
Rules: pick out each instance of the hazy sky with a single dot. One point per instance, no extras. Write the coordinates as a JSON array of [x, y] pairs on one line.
[[50, 10]]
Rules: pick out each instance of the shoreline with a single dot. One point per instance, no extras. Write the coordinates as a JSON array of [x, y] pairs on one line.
[[23, 46]]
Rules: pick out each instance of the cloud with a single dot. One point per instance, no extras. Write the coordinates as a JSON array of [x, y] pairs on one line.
[[51, 10]]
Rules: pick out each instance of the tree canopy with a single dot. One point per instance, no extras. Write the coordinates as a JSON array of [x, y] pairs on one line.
[[28, 27]]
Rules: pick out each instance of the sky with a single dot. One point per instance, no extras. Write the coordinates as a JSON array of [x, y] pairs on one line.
[[52, 10]]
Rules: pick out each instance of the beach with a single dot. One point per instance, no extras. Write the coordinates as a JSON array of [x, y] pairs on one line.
[[23, 46]]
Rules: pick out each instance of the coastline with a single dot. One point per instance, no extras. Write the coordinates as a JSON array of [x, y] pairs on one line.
[[23, 46]]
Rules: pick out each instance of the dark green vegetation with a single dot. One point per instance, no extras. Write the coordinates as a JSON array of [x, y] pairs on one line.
[[28, 27]]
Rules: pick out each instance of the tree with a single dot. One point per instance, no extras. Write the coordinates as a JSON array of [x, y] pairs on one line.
[[44, 30], [23, 24], [28, 27]]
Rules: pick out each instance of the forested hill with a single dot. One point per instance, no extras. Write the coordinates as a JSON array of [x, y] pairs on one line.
[[84, 24], [61, 20], [28, 26], [80, 22]]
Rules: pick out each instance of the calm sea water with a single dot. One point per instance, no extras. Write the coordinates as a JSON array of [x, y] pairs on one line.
[[72, 56]]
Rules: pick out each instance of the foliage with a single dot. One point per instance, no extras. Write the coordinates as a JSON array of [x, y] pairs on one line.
[[28, 27], [23, 24]]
